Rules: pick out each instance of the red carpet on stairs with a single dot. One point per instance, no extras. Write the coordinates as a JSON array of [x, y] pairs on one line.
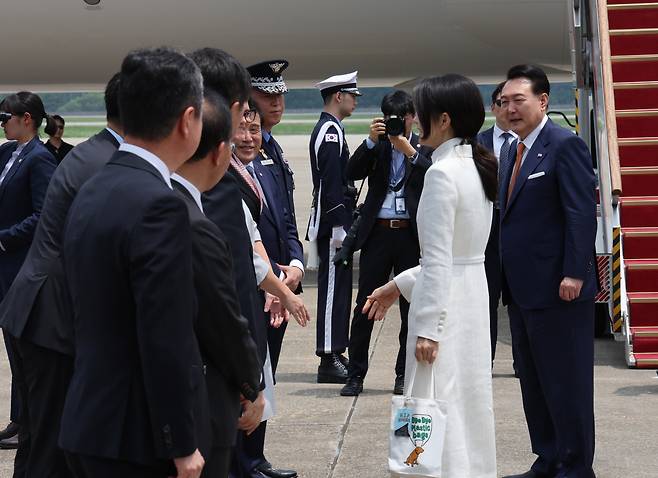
[[634, 46]]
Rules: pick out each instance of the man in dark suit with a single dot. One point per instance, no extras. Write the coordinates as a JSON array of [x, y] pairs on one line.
[[229, 353], [136, 401], [223, 206], [497, 139], [36, 310], [26, 167], [387, 234], [547, 234]]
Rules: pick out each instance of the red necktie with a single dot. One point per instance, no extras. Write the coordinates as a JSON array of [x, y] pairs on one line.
[[517, 166]]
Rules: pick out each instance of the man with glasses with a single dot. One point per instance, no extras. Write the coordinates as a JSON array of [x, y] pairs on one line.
[[497, 139], [387, 234]]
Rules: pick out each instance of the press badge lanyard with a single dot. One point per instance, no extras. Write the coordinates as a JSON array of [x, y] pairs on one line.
[[398, 201]]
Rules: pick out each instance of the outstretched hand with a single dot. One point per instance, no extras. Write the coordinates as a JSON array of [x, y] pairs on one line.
[[381, 300]]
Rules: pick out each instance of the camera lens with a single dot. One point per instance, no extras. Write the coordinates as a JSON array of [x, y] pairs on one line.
[[394, 126]]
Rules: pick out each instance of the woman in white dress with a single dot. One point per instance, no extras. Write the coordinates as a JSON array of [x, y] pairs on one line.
[[449, 314]]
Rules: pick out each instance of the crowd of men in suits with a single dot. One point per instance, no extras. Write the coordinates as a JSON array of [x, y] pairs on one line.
[[147, 280]]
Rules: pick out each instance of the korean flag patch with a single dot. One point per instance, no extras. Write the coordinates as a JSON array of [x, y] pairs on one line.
[[331, 138]]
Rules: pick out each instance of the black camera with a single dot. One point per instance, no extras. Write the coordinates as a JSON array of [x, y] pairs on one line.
[[4, 117], [394, 127]]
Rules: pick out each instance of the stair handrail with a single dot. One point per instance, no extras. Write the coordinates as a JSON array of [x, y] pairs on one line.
[[605, 74]]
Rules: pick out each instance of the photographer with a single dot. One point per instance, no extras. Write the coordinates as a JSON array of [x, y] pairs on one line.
[[387, 231]]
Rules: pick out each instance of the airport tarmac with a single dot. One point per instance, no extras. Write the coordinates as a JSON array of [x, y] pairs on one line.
[[323, 435]]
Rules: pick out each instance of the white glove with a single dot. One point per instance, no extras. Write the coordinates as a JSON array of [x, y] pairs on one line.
[[337, 236]]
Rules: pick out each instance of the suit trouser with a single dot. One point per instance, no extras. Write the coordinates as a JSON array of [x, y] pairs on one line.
[[555, 362], [248, 453], [46, 376], [14, 407], [384, 251], [493, 270], [84, 466], [217, 464], [334, 301]]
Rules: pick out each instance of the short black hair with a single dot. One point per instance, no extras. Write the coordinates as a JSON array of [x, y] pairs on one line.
[[216, 124], [51, 124], [397, 103], [25, 102], [59, 118], [534, 74], [112, 98], [224, 74], [496, 92], [156, 87], [254, 106]]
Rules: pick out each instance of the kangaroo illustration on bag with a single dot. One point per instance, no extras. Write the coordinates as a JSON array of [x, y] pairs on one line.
[[412, 459]]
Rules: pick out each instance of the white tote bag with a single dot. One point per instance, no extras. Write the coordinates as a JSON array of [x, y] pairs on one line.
[[417, 433]]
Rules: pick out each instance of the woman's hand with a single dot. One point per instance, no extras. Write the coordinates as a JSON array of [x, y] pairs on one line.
[[381, 300], [426, 350], [295, 305]]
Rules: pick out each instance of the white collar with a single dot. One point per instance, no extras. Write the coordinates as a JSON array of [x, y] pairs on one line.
[[150, 158], [191, 188], [532, 137], [116, 135], [445, 148], [498, 131]]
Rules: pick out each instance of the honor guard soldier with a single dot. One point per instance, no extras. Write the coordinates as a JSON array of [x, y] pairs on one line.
[[331, 217]]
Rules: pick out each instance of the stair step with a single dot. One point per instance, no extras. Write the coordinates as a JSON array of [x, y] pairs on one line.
[[638, 15], [639, 211], [636, 94], [635, 67], [639, 122], [634, 42], [643, 309], [641, 275], [646, 360], [645, 339], [640, 181], [637, 152], [640, 242]]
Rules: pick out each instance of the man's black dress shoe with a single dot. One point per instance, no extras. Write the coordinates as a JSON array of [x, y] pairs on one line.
[[353, 387], [528, 474], [10, 431], [10, 443], [331, 369], [398, 388], [344, 360], [267, 470]]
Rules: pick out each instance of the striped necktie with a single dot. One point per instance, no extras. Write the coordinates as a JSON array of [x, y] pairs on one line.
[[504, 159]]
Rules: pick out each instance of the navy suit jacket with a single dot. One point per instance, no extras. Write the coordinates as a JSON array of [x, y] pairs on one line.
[[277, 226], [548, 227], [137, 388], [485, 138], [37, 307], [22, 195]]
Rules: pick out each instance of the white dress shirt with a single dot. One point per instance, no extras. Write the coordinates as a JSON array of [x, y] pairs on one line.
[[116, 135], [499, 139], [150, 158], [191, 188], [12, 160], [531, 138]]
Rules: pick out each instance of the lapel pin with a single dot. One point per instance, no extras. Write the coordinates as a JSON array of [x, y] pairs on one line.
[[539, 155]]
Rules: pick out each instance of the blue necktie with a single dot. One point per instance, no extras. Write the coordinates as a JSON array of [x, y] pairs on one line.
[[503, 160]]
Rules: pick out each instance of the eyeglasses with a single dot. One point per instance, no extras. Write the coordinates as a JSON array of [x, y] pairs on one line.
[[498, 103], [249, 115]]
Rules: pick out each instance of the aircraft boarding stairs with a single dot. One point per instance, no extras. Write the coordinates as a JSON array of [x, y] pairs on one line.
[[633, 40]]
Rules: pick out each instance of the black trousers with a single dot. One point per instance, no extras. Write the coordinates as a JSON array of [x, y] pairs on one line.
[[45, 379], [217, 464], [334, 300], [14, 407], [493, 270], [93, 467], [385, 251], [555, 362], [248, 453]]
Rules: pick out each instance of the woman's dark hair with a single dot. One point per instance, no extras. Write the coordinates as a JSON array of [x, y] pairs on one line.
[[27, 102], [460, 98], [51, 126], [397, 103]]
